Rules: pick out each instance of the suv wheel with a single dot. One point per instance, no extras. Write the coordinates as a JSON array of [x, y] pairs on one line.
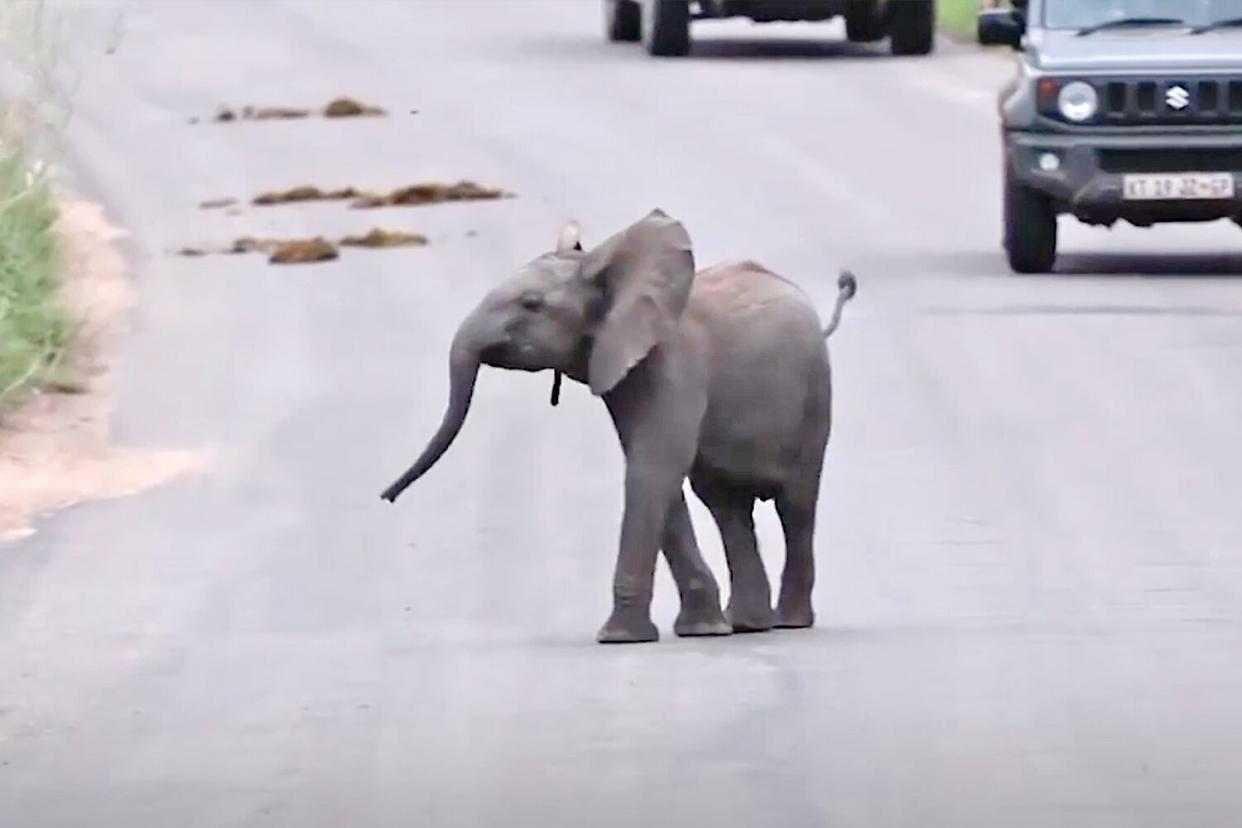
[[666, 27], [623, 20], [912, 26], [864, 20], [1030, 229]]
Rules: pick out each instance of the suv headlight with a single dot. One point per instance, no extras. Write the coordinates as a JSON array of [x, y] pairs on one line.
[[1078, 101]]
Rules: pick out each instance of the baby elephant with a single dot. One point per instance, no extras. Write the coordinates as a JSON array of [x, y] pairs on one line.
[[722, 377]]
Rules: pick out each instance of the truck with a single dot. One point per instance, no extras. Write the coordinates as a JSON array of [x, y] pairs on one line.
[[663, 26], [1120, 110]]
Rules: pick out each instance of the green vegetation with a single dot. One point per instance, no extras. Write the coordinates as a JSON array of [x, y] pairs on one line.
[[34, 328], [957, 17]]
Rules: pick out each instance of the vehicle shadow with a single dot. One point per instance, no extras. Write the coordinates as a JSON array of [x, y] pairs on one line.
[[739, 49], [781, 49], [987, 264], [1153, 265]]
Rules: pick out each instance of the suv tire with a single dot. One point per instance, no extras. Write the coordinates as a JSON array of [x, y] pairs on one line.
[[912, 26], [666, 27], [623, 20], [864, 20], [1030, 229]]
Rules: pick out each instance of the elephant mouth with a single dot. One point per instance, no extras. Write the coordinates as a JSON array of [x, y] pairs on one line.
[[518, 357]]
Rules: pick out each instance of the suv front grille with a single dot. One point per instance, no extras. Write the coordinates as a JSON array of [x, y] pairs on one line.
[[1202, 101], [1170, 160]]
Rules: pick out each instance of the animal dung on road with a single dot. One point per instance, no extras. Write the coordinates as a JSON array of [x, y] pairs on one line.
[[260, 113], [305, 193], [278, 251], [432, 193], [216, 203], [336, 108], [287, 251], [303, 251], [316, 249], [411, 195], [378, 237], [349, 108]]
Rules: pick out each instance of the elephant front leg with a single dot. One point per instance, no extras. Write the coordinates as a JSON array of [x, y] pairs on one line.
[[647, 500], [700, 595]]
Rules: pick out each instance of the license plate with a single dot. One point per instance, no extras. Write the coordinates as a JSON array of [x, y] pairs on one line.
[[1175, 186]]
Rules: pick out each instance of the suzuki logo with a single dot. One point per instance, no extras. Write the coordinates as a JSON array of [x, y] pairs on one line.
[[1177, 97]]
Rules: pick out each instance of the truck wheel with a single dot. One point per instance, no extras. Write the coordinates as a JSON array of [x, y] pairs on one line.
[[623, 19], [864, 20], [912, 26], [1030, 229], [666, 27]]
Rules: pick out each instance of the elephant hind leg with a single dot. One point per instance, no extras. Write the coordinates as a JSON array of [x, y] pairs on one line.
[[797, 514], [700, 595], [750, 594]]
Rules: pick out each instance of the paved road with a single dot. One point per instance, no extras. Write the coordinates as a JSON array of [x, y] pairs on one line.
[[1031, 547]]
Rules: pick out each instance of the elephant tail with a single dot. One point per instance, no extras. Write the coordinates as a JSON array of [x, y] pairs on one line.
[[847, 286]]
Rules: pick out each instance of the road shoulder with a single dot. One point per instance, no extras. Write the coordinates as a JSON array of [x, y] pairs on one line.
[[55, 447]]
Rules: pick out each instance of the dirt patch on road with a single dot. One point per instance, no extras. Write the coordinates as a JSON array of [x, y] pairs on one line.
[[55, 448]]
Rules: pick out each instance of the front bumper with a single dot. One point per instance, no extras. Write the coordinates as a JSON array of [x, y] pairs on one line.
[[1083, 183]]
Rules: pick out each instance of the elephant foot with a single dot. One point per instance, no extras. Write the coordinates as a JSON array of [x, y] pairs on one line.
[[628, 626], [794, 617], [750, 619], [701, 618]]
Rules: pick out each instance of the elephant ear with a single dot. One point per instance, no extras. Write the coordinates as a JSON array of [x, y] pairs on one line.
[[646, 272]]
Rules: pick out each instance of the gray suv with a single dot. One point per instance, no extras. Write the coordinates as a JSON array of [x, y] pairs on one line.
[[1121, 110], [663, 26]]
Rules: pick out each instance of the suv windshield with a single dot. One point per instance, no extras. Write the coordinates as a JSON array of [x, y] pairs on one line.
[[1082, 14]]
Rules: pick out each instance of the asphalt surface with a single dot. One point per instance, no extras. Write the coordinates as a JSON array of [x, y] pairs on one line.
[[1031, 544]]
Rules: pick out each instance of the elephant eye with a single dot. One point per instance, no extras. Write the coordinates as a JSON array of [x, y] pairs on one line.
[[532, 301]]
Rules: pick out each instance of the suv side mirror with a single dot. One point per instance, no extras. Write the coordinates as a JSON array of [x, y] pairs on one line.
[[1001, 27]]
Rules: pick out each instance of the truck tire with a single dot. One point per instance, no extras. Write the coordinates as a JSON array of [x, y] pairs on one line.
[[912, 26], [666, 27], [1030, 229], [623, 20], [864, 20]]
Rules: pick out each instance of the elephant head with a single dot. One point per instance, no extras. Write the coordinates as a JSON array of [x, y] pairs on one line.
[[592, 315]]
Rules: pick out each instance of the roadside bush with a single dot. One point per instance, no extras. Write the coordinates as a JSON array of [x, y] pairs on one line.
[[34, 329]]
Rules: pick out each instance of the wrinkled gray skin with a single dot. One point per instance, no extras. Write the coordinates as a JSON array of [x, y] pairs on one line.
[[721, 377]]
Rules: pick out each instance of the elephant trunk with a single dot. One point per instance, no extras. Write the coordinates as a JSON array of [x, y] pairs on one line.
[[464, 361]]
